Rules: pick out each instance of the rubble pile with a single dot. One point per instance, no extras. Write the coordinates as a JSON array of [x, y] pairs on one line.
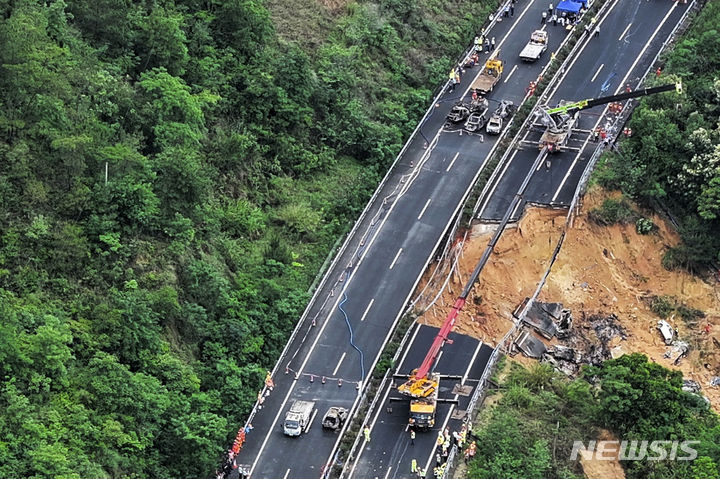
[[592, 342]]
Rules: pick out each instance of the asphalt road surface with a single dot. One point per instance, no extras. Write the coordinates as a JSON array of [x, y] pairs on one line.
[[380, 266], [630, 36], [389, 453]]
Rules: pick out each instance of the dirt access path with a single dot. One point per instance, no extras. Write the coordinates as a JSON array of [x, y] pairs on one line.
[[600, 270]]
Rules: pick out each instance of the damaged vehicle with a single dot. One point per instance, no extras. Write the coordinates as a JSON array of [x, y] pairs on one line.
[[334, 418]]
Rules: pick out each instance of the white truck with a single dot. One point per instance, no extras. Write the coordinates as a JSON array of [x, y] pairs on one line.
[[535, 47], [297, 419]]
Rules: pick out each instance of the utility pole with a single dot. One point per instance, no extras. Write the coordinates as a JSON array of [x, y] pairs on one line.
[[106, 173]]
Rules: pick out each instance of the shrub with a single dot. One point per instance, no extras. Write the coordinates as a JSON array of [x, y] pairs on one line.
[[644, 226], [613, 212]]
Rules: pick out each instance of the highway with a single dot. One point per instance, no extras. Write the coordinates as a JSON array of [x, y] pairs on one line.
[[631, 35], [355, 308], [379, 267], [390, 452], [639, 35]]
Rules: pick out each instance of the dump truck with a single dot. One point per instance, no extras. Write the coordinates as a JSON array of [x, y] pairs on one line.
[[297, 419], [535, 47], [489, 76], [422, 409]]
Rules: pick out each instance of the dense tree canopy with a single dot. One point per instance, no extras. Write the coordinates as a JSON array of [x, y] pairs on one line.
[[673, 158], [530, 430], [138, 314]]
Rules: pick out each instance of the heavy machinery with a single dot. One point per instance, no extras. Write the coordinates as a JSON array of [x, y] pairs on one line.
[[422, 385], [559, 121], [422, 409], [489, 76]]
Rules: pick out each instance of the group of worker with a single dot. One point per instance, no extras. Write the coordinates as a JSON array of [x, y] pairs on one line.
[[445, 441]]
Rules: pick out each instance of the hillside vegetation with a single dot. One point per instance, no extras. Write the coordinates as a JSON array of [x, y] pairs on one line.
[[673, 158], [530, 430], [139, 311]]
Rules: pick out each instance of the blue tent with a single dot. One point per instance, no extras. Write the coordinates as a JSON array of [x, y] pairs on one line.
[[569, 6]]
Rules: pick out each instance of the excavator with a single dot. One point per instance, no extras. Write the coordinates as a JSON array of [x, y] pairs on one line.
[[559, 121]]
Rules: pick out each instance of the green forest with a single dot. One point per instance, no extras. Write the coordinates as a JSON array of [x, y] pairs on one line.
[[530, 429], [173, 174], [672, 161]]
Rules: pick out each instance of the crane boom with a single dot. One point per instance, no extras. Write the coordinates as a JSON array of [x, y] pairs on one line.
[[589, 103], [422, 383]]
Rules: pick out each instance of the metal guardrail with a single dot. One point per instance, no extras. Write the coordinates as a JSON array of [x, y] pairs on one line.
[[579, 192], [531, 114], [327, 273]]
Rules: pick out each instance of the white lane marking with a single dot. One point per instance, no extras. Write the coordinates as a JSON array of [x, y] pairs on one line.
[[387, 474], [510, 74], [407, 348], [596, 73], [371, 424], [543, 27], [339, 363], [367, 309], [575, 160], [287, 473], [622, 83], [518, 22], [541, 165], [492, 190], [397, 255], [437, 361], [625, 31], [472, 361], [578, 55], [311, 420], [422, 212], [453, 161]]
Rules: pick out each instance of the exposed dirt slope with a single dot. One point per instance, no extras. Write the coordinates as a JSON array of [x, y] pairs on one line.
[[600, 270], [595, 468]]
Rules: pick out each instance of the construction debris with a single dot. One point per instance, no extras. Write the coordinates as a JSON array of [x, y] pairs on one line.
[[591, 343], [677, 351], [543, 317], [666, 331], [530, 345], [690, 386]]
